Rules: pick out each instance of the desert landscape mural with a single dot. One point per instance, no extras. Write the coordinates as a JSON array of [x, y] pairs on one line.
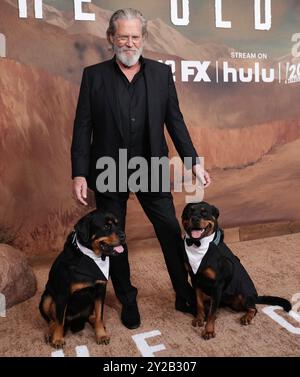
[[248, 133]]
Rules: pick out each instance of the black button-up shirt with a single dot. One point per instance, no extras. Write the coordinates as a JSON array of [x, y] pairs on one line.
[[132, 103]]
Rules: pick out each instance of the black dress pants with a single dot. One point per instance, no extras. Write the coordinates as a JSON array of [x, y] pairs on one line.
[[160, 210]]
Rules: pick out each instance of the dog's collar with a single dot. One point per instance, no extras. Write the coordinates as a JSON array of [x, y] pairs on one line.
[[74, 238], [218, 236], [102, 264]]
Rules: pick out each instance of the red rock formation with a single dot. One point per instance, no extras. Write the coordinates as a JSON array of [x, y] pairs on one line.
[[17, 279]]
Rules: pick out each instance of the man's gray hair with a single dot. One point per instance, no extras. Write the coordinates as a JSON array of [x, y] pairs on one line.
[[125, 14]]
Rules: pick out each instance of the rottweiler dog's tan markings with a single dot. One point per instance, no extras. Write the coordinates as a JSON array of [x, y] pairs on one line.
[[47, 303], [200, 297], [57, 340], [207, 224], [210, 273], [185, 224], [101, 335], [92, 317], [78, 286], [103, 282], [104, 238], [50, 331], [209, 331], [248, 317], [49, 309], [55, 334], [203, 224], [110, 240], [237, 303]]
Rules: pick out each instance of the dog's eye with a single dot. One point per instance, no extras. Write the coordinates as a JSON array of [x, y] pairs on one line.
[[107, 227]]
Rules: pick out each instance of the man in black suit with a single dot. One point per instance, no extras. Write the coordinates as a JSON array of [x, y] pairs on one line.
[[123, 104]]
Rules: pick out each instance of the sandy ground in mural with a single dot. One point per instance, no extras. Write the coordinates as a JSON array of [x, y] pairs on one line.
[[273, 263]]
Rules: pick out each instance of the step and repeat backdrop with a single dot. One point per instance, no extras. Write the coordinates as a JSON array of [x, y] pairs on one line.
[[236, 66]]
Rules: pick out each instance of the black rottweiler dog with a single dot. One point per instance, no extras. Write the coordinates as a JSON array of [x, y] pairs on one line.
[[217, 275], [76, 286]]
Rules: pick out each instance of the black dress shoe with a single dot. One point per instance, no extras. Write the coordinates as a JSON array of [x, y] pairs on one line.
[[130, 316], [185, 306]]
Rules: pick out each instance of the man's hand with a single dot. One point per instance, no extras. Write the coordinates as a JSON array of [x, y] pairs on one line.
[[202, 175], [80, 189]]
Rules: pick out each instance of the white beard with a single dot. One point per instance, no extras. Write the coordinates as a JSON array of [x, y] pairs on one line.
[[128, 61]]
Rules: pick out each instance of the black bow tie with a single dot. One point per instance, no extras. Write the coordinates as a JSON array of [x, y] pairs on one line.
[[191, 241]]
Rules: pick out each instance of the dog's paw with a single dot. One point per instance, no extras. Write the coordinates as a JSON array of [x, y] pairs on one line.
[[58, 343], [198, 322], [103, 339], [248, 317], [246, 320], [206, 334]]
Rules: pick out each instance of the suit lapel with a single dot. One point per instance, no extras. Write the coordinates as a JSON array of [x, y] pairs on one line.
[[110, 84]]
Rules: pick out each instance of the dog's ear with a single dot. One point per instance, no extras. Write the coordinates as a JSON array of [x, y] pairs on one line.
[[215, 212], [82, 229], [186, 211]]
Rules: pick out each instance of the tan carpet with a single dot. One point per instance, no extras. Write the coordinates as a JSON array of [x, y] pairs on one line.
[[273, 263]]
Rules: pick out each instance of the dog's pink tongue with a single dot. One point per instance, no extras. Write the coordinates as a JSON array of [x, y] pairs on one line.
[[119, 249], [196, 233]]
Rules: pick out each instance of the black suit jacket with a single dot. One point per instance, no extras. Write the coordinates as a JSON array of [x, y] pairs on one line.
[[97, 127]]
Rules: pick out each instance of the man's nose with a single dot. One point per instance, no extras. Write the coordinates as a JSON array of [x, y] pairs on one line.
[[129, 42]]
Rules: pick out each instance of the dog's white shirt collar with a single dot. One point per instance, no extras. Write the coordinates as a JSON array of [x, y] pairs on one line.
[[196, 254], [103, 265]]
